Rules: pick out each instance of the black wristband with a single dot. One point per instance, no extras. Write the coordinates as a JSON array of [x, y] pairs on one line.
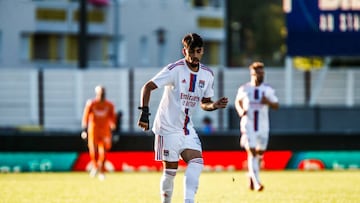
[[144, 109]]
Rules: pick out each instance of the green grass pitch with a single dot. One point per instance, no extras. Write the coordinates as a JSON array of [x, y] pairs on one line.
[[215, 187]]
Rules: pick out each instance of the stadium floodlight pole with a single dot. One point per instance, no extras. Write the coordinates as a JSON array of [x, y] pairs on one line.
[[82, 36], [116, 34]]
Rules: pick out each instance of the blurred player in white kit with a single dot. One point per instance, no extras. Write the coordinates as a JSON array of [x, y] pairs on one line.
[[252, 104]]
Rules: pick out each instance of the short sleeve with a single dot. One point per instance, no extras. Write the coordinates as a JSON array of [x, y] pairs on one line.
[[271, 95], [164, 77], [210, 90], [240, 94]]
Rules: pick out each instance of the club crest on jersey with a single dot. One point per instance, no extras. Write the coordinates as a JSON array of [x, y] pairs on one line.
[[166, 152], [183, 81], [201, 83]]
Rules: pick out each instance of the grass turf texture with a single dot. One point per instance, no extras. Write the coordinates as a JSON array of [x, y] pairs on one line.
[[215, 187]]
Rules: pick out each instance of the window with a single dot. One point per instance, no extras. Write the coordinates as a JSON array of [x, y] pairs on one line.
[[199, 3], [45, 47], [144, 51], [211, 55], [25, 52], [95, 51], [162, 54], [119, 58], [41, 48], [1, 45], [123, 54]]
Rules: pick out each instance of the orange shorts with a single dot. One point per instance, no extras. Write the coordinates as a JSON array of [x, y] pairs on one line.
[[100, 137]]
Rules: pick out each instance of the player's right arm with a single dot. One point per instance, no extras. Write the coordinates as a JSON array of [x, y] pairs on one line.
[[85, 119], [239, 103], [239, 108], [144, 104]]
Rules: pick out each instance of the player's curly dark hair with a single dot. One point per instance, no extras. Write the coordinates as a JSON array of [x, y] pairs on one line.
[[192, 40]]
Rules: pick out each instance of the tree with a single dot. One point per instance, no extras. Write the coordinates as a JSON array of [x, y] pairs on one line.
[[261, 32]]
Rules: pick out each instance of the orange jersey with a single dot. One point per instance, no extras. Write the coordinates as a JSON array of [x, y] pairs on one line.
[[99, 117]]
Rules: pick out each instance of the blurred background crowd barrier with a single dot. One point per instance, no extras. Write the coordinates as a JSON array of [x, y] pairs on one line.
[[53, 99]]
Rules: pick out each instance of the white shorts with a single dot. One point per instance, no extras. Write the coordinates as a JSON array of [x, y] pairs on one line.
[[169, 147], [257, 140]]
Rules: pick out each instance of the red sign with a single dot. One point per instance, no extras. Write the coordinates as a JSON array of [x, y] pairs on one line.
[[214, 161]]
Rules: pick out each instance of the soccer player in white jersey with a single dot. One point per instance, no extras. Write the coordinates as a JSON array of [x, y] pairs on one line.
[[187, 84], [252, 104]]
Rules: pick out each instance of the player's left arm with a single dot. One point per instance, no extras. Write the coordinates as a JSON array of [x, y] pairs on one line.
[[208, 105], [270, 99]]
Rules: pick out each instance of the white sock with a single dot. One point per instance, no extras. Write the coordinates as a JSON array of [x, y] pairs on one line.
[[257, 167], [167, 185], [189, 201], [253, 168], [191, 179]]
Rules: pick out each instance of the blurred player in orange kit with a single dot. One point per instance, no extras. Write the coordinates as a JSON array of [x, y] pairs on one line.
[[98, 122]]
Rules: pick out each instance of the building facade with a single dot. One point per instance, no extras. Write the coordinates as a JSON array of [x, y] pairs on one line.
[[120, 33]]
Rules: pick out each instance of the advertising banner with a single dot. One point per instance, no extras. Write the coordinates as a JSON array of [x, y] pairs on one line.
[[144, 161], [36, 161], [317, 160], [322, 27], [214, 161]]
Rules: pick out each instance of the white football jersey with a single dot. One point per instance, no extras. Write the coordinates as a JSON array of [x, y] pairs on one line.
[[257, 116], [183, 91]]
